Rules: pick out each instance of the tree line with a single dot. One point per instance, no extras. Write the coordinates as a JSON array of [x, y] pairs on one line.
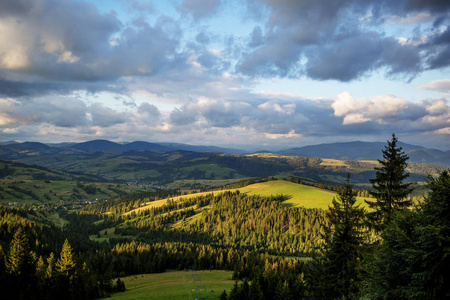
[[395, 250]]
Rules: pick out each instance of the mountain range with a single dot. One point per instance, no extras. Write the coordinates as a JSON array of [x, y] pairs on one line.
[[342, 151]]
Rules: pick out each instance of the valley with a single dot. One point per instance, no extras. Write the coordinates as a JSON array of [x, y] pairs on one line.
[[143, 217]]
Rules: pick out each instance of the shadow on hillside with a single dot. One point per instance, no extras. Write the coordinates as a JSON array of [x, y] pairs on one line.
[[285, 198]]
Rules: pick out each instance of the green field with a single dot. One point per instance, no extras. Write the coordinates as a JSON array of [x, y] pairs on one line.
[[175, 285], [298, 195]]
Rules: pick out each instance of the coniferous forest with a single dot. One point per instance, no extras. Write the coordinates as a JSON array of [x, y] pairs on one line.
[[391, 248]]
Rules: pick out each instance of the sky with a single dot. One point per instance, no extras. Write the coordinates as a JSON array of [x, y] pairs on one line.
[[248, 74]]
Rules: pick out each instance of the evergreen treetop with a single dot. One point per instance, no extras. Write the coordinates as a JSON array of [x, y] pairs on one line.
[[66, 263], [388, 186], [337, 273]]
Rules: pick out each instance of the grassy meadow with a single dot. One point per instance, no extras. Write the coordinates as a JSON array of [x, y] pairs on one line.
[[175, 285], [298, 195]]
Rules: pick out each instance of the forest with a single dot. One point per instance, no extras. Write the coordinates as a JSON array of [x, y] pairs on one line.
[[393, 247]]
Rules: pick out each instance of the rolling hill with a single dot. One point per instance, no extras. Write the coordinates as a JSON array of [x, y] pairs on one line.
[[369, 151]]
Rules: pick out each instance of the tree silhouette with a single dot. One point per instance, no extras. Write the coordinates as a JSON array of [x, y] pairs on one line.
[[388, 187], [20, 267]]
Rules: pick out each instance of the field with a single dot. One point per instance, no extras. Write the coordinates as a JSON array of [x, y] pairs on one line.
[[297, 195], [175, 285]]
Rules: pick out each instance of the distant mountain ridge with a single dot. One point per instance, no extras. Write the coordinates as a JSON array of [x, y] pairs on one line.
[[369, 151], [344, 151], [13, 150], [105, 145]]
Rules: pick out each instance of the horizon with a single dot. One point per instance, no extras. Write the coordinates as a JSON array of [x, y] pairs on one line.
[[233, 147], [279, 75]]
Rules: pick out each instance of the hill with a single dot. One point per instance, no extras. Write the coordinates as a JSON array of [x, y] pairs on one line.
[[294, 195], [104, 145], [369, 151], [29, 184], [163, 168]]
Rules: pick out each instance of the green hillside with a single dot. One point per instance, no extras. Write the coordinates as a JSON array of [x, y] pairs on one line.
[[27, 184], [298, 195], [153, 167], [175, 285]]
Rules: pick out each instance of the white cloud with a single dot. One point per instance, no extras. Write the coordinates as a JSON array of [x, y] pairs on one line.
[[379, 108], [289, 135], [441, 85]]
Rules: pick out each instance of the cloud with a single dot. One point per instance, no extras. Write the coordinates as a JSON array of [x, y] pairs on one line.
[[51, 110], [343, 40], [377, 109], [442, 85], [57, 111], [393, 112], [104, 116], [354, 56], [199, 9], [50, 45], [438, 49], [148, 114]]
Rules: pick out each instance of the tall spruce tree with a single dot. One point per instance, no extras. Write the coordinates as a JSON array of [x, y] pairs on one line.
[[337, 272], [388, 186], [66, 263], [413, 262], [21, 267], [66, 270]]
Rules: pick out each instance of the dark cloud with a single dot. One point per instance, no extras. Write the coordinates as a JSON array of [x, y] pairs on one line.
[[149, 111], [56, 111], [60, 45], [436, 6], [199, 9], [256, 37], [202, 38], [356, 55], [438, 49], [336, 40], [105, 117], [182, 117], [141, 6]]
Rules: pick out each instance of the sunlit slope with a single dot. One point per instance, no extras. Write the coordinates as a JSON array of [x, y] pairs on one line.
[[159, 203], [298, 195]]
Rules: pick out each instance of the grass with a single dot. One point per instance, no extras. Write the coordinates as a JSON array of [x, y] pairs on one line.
[[106, 234], [175, 285], [55, 191], [298, 195], [159, 203], [333, 162]]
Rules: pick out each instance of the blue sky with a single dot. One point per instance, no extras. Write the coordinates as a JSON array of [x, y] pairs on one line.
[[254, 74]]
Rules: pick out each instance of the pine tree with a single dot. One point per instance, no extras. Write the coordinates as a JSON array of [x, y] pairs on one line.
[[414, 259], [337, 270], [51, 266], [66, 263], [388, 187], [66, 271], [20, 265], [19, 258]]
